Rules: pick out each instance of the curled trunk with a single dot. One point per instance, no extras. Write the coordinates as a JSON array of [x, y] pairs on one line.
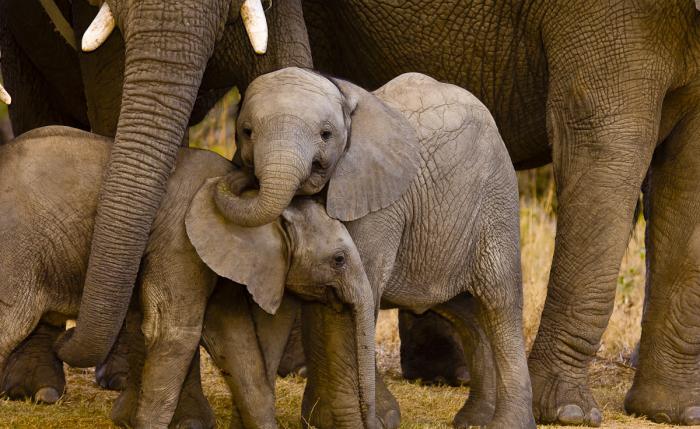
[[160, 87], [280, 172]]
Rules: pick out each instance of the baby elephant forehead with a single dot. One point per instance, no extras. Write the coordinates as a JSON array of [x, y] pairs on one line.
[[312, 218], [294, 79]]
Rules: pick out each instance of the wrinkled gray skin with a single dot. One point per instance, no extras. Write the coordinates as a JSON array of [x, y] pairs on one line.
[[607, 91], [418, 172], [163, 69], [46, 227]]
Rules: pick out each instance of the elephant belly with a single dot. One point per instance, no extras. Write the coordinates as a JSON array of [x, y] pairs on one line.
[[478, 47]]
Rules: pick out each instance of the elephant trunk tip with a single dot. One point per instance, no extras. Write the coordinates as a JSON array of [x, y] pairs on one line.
[[71, 349]]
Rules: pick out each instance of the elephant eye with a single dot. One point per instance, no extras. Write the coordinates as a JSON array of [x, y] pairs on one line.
[[326, 135], [339, 260], [247, 131]]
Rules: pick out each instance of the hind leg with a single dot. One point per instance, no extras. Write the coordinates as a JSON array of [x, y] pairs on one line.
[[33, 370], [19, 316], [113, 372], [431, 350], [463, 312]]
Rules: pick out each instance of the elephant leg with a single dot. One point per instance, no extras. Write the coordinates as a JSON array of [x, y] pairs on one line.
[[173, 304], [230, 337], [293, 360], [113, 372], [431, 350], [603, 139], [193, 410], [124, 408], [463, 312], [666, 385], [33, 370]]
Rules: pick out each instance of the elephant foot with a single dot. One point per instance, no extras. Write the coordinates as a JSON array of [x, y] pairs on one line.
[[388, 411], [563, 402], [124, 408], [431, 350], [515, 423], [193, 410], [474, 413], [33, 370], [112, 374], [661, 403]]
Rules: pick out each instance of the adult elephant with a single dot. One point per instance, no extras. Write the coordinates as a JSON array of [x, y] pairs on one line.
[[162, 68], [607, 91]]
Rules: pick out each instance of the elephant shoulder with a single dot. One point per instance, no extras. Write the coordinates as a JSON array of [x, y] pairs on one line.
[[193, 168], [201, 164]]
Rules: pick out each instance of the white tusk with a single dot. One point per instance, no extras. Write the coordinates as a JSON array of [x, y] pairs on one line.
[[4, 96], [100, 29], [255, 23]]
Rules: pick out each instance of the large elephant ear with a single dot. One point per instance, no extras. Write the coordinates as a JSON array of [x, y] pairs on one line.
[[256, 257], [381, 160]]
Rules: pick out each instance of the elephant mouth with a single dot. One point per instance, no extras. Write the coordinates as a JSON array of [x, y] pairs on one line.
[[324, 294]]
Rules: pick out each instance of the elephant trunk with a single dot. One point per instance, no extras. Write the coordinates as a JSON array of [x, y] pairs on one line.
[[280, 171], [360, 297], [167, 50]]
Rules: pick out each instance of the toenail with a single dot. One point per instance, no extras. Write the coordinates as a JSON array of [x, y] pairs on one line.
[[570, 414], [661, 418], [190, 424], [691, 416], [595, 417], [391, 420], [47, 395]]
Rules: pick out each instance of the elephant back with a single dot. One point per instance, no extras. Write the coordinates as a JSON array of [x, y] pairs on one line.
[[435, 107]]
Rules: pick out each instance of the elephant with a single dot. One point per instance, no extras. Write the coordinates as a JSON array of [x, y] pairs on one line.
[[422, 181], [50, 189], [159, 68], [606, 91]]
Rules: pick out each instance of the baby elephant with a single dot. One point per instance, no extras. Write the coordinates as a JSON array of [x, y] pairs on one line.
[[419, 175], [48, 194]]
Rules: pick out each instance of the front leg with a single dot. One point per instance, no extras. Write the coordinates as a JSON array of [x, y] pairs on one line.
[[231, 339], [603, 133], [173, 300], [463, 312]]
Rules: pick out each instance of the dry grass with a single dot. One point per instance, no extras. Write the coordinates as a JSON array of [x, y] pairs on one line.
[[86, 406]]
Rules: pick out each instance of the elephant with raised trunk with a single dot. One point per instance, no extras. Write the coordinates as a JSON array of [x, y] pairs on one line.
[[423, 182], [155, 67]]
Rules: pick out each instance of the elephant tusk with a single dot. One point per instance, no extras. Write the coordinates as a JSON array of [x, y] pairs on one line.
[[255, 24], [5, 96], [100, 29]]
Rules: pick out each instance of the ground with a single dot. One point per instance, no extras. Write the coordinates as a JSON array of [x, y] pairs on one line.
[[86, 406]]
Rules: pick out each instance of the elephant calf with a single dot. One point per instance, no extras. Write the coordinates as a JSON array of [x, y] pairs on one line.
[[48, 196], [418, 173]]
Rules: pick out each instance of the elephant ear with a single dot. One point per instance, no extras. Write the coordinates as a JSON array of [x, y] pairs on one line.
[[381, 160], [256, 257]]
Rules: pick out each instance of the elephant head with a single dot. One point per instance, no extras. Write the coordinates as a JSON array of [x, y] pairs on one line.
[[306, 251], [167, 48], [301, 131]]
